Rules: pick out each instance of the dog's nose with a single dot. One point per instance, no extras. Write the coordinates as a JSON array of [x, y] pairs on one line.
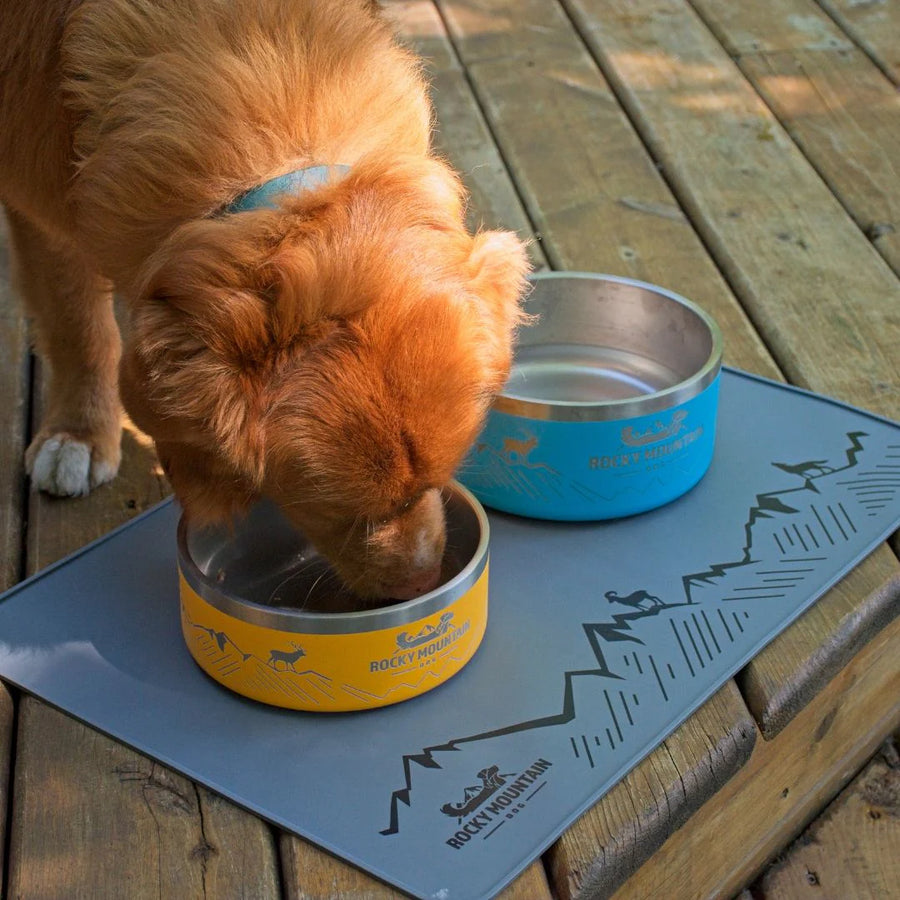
[[418, 583]]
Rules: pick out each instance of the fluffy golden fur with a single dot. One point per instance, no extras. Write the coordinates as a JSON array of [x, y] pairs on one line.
[[337, 354]]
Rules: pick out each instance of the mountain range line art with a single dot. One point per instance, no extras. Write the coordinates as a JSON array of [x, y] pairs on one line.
[[769, 506], [618, 629], [516, 452], [537, 480], [426, 757], [305, 684], [434, 672]]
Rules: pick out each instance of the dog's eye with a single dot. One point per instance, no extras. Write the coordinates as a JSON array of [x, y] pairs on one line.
[[410, 502], [398, 510]]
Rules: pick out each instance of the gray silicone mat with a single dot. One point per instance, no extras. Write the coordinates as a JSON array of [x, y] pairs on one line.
[[602, 638]]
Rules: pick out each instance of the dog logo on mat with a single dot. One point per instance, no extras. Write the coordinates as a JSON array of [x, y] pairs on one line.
[[475, 795]]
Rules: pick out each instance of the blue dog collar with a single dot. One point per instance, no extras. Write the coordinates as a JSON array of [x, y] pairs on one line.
[[265, 196]]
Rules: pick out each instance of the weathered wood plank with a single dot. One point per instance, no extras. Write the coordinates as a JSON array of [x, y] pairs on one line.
[[773, 26], [7, 728], [600, 851], [463, 136], [833, 100], [592, 191], [874, 25], [851, 850], [820, 294], [104, 821], [787, 781], [822, 641], [824, 301], [312, 874], [309, 873]]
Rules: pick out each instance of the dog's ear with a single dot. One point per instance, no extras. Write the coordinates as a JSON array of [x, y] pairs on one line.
[[205, 418], [262, 280], [208, 487], [198, 360], [210, 276], [498, 265]]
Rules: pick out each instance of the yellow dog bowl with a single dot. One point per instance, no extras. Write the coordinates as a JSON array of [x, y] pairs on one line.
[[240, 590]]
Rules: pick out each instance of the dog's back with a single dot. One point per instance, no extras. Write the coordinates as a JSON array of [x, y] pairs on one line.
[[121, 119]]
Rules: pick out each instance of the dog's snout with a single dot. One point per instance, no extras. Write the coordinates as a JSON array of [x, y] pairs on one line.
[[398, 559], [412, 565], [416, 584]]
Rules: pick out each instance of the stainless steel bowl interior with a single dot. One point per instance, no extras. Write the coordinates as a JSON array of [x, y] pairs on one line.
[[266, 571], [605, 347]]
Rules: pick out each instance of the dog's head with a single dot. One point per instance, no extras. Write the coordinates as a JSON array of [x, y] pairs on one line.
[[337, 355]]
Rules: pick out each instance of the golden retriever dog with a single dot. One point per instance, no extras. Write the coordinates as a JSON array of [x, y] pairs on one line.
[[333, 347]]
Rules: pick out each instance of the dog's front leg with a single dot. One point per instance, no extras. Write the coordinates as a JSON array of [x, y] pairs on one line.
[[78, 444]]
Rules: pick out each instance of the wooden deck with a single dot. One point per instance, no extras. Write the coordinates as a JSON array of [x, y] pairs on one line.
[[744, 154]]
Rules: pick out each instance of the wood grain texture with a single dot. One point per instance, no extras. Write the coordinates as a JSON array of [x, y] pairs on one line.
[[824, 301], [104, 821], [836, 104], [594, 194], [309, 873], [608, 844], [7, 730], [852, 849], [874, 25], [462, 135], [821, 642], [312, 874], [725, 844]]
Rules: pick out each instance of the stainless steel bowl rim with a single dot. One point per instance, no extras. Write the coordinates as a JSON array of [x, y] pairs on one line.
[[303, 622], [633, 407]]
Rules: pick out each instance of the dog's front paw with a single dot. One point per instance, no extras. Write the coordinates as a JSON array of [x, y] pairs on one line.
[[62, 465]]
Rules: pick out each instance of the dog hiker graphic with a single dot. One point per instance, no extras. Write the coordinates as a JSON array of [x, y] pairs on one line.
[[636, 599]]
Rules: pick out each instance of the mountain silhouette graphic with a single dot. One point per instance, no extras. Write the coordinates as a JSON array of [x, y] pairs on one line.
[[624, 627]]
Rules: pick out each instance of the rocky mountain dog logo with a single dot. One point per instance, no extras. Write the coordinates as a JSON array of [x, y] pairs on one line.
[[428, 633], [650, 445], [656, 433], [418, 648], [475, 795], [498, 798]]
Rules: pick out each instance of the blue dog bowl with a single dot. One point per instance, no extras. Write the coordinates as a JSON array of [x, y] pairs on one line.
[[610, 408]]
